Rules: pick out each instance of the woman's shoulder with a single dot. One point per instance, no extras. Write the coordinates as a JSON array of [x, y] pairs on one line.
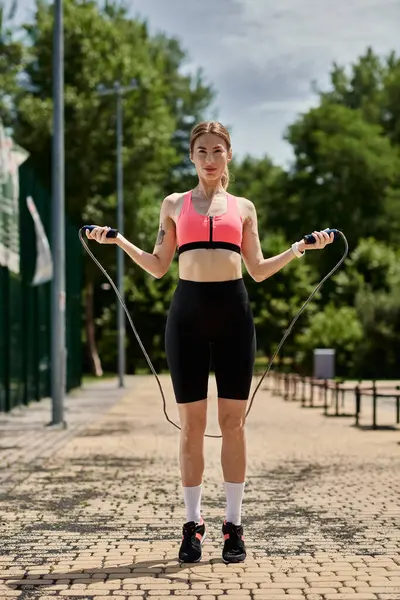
[[175, 197], [174, 202], [245, 206]]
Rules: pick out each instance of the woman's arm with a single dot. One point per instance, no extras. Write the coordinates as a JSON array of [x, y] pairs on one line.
[[261, 268], [158, 262]]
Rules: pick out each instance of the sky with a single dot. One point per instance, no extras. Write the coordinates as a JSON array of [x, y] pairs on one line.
[[261, 56]]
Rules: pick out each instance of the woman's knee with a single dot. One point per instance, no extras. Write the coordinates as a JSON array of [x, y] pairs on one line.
[[193, 418], [231, 423]]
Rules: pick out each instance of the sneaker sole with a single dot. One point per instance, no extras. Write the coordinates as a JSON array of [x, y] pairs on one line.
[[236, 559], [201, 555]]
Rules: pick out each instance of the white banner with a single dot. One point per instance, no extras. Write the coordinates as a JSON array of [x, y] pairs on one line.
[[44, 261], [11, 157]]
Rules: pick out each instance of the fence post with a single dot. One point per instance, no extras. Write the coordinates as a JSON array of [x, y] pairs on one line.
[[279, 384], [337, 398], [325, 397], [275, 382], [286, 386], [294, 387], [374, 397], [269, 381], [358, 403], [303, 394]]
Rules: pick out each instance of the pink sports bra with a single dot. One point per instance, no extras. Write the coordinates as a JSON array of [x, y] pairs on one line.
[[194, 230]]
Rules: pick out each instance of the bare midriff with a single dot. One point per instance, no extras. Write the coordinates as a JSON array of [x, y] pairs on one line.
[[210, 265]]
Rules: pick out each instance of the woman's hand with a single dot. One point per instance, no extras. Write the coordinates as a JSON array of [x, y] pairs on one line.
[[99, 235], [322, 239]]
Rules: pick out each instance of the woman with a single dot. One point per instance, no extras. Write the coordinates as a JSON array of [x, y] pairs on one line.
[[210, 316]]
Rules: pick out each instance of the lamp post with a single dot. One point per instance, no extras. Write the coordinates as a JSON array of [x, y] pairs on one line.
[[118, 90], [58, 348]]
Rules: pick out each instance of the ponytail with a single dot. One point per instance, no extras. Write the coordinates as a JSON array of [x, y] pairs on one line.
[[225, 178]]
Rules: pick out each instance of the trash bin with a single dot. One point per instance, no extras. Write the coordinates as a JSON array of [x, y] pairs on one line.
[[324, 363]]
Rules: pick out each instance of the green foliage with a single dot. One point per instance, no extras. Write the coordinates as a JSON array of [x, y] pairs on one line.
[[147, 300], [11, 59], [372, 267], [332, 327], [344, 168], [276, 300], [263, 183], [99, 49], [345, 174], [372, 86], [371, 283], [379, 351], [103, 45]]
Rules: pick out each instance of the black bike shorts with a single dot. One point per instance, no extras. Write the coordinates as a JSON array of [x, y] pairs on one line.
[[210, 327]]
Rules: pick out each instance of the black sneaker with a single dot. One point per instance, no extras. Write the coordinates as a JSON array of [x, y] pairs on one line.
[[193, 536], [234, 550]]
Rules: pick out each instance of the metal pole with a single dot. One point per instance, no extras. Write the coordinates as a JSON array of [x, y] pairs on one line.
[[119, 91], [58, 350], [120, 252]]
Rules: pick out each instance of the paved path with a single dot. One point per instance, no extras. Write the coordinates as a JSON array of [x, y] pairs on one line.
[[96, 512]]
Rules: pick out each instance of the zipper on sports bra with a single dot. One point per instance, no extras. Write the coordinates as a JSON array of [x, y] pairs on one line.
[[211, 228]]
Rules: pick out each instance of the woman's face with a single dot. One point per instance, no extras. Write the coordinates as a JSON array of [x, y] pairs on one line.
[[210, 156]]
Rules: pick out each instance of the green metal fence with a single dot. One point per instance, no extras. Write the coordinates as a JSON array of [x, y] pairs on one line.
[[25, 310]]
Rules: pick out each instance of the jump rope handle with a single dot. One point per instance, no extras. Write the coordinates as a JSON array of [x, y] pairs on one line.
[[310, 239], [110, 234]]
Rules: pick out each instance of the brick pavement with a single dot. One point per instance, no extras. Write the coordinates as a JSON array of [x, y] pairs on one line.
[[97, 514]]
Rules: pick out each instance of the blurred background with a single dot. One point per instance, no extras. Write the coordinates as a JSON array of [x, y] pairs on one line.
[[310, 92]]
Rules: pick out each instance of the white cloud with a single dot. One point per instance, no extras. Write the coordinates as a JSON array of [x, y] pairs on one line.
[[261, 56]]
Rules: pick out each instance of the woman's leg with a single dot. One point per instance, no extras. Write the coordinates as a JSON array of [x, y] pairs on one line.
[[231, 418], [231, 415], [234, 355], [189, 367], [193, 419], [188, 355], [234, 360]]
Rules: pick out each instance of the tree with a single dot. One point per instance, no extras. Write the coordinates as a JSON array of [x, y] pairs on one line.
[[102, 45], [371, 85], [276, 300], [332, 327], [343, 173], [260, 181], [379, 351], [11, 60], [370, 284], [372, 267]]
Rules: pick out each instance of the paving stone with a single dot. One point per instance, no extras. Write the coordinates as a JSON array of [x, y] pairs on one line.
[[97, 509]]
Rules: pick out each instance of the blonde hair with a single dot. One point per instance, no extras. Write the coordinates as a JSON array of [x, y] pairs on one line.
[[216, 128]]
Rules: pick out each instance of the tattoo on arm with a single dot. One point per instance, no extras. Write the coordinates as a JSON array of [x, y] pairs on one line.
[[160, 236]]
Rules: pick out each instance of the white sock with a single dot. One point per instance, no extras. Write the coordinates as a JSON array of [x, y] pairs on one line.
[[234, 497], [192, 498]]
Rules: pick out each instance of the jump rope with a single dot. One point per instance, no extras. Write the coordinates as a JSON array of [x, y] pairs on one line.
[[309, 239]]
